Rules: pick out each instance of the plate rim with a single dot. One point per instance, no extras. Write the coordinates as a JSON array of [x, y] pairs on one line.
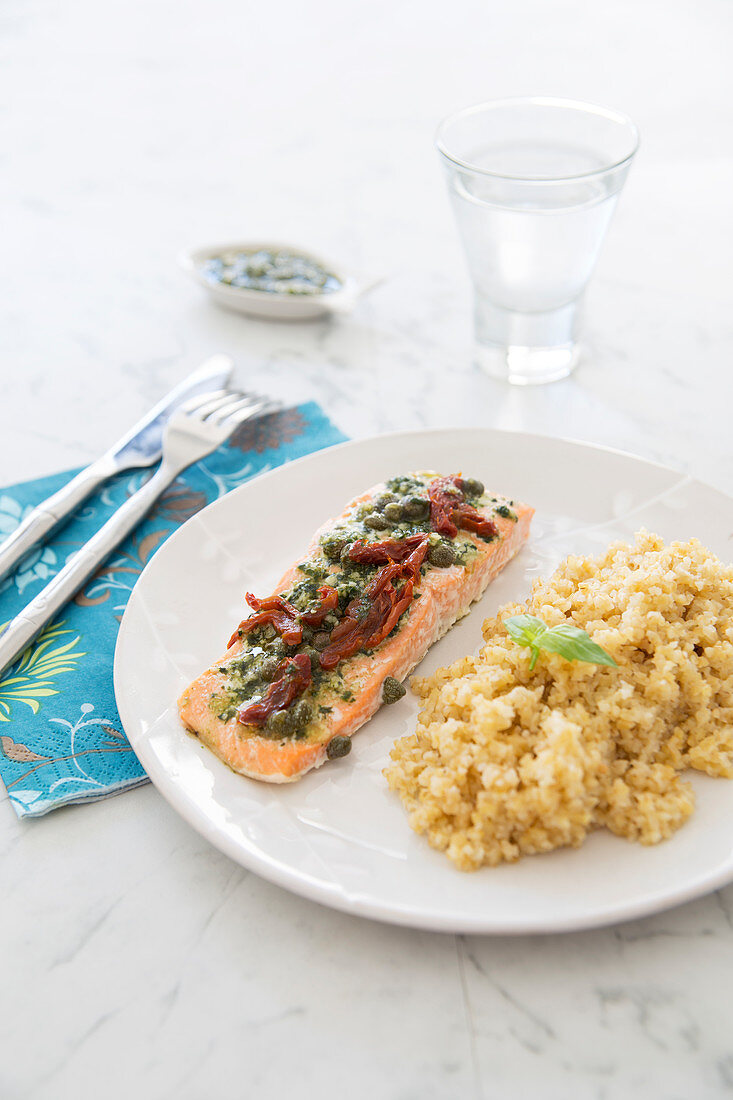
[[302, 884]]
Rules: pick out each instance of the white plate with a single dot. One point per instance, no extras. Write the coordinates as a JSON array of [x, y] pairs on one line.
[[339, 836]]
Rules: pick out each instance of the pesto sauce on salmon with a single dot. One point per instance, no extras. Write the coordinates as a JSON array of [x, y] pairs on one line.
[[411, 516]]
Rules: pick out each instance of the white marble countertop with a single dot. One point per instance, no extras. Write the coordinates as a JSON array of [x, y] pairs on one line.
[[137, 960]]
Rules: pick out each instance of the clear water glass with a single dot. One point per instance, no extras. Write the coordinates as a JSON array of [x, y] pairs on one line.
[[533, 183]]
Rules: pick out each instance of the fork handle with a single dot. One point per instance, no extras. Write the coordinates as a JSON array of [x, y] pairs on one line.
[[67, 582], [49, 512]]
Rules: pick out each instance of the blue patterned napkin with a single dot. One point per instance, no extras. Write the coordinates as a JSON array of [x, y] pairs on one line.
[[61, 739]]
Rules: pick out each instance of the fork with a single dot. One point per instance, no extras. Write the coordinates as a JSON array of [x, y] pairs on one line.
[[196, 429]]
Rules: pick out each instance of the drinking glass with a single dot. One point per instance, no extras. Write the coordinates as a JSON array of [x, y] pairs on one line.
[[533, 183]]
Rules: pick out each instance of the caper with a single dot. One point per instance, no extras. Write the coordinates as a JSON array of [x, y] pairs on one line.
[[332, 547], [471, 487], [269, 633], [383, 500], [307, 633], [278, 721], [338, 746], [417, 508], [394, 512], [312, 655], [302, 713], [392, 690], [291, 722], [441, 555], [321, 640], [269, 667], [376, 522], [345, 559]]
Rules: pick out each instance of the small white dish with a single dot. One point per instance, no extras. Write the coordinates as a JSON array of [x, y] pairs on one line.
[[270, 304], [339, 836]]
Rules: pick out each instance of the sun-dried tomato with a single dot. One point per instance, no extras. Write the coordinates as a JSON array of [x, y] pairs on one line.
[[295, 678], [273, 611], [377, 553], [384, 577], [354, 632], [470, 519], [444, 494], [401, 601], [449, 510], [329, 601], [417, 557], [369, 618]]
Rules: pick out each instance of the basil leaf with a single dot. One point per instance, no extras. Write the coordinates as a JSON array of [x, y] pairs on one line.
[[566, 640], [575, 644], [525, 629]]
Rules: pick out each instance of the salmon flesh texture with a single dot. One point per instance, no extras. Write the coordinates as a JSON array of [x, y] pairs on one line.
[[445, 596]]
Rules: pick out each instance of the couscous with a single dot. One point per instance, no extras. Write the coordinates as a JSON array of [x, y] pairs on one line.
[[506, 762]]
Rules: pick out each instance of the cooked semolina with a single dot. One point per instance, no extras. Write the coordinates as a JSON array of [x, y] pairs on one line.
[[506, 762]]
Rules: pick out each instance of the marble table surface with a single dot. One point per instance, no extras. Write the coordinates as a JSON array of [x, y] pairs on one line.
[[137, 960]]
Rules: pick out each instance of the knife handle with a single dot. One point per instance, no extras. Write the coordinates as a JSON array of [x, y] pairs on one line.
[[67, 582], [37, 524]]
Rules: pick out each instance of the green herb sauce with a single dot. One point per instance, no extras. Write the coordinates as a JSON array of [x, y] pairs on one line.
[[401, 510], [274, 271]]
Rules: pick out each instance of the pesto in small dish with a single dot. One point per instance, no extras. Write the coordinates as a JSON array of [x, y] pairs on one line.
[[271, 271], [274, 280]]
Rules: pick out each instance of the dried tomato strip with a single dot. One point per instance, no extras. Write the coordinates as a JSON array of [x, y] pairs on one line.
[[403, 599], [369, 618], [444, 494], [402, 602], [273, 611], [352, 637], [329, 601], [281, 693], [470, 519], [449, 511], [383, 578], [377, 553], [271, 603], [417, 557]]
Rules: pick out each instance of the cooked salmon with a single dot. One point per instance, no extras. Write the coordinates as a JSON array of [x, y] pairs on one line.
[[378, 585]]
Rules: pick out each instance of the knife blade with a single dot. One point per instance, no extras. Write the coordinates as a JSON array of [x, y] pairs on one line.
[[141, 446]]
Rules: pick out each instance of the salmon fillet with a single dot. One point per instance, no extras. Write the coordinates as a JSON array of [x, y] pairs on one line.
[[343, 699]]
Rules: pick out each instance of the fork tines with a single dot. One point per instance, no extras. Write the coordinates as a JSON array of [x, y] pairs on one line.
[[228, 407]]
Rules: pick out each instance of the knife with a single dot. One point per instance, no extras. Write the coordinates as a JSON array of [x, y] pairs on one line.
[[141, 446]]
